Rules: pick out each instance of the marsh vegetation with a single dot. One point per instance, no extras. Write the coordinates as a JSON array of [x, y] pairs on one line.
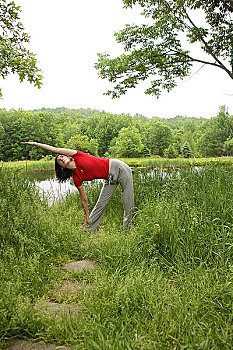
[[166, 284]]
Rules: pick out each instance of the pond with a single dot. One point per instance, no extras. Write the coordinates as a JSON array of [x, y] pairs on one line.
[[52, 190], [49, 188]]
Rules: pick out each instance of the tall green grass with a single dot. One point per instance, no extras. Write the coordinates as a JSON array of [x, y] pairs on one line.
[[29, 165], [177, 162], [48, 164], [165, 284]]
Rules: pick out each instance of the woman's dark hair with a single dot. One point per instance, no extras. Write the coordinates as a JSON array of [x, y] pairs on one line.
[[62, 174]]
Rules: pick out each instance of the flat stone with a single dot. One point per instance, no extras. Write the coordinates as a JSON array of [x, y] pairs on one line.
[[19, 344], [79, 266], [57, 309], [70, 288]]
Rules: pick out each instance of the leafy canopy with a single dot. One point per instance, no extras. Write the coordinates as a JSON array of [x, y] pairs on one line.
[[128, 144], [14, 56], [160, 49]]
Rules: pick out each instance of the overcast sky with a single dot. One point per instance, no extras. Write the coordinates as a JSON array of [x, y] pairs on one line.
[[66, 37]]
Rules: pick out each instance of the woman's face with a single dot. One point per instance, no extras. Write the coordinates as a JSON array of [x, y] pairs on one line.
[[63, 161]]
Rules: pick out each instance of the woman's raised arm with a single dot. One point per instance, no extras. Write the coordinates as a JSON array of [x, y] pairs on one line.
[[65, 151]]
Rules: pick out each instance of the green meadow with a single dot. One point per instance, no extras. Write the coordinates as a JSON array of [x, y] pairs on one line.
[[165, 284]]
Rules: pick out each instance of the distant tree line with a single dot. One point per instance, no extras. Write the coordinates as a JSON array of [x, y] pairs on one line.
[[113, 135]]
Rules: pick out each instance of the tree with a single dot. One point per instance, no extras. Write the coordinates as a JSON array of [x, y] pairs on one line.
[[158, 137], [224, 126], [212, 134], [128, 143], [178, 135], [69, 130], [207, 142], [14, 56], [188, 136], [23, 125], [160, 49], [171, 152], [186, 150], [83, 144], [2, 132], [184, 123], [228, 147], [104, 128]]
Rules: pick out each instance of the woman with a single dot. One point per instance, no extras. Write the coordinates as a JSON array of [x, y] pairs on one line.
[[85, 167]]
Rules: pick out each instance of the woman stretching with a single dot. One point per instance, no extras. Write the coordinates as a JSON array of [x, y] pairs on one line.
[[85, 167]]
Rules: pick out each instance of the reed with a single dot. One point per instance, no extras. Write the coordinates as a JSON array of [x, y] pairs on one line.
[[177, 162], [165, 284], [48, 164], [29, 165]]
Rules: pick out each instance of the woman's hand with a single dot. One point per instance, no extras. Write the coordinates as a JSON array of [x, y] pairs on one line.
[[87, 221]]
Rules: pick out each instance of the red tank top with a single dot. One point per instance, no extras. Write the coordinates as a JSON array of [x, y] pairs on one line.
[[89, 168]]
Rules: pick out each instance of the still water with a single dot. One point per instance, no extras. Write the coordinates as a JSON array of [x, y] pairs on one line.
[[49, 188]]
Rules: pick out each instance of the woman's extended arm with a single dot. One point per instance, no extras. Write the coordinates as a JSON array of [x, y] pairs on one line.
[[65, 151], [84, 204]]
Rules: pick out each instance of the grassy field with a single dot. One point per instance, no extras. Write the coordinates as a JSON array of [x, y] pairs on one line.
[[166, 284], [43, 165]]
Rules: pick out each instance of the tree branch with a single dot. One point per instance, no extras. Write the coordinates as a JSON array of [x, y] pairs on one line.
[[231, 5], [198, 60], [209, 50]]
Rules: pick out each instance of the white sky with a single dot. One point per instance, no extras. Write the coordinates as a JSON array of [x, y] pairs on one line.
[[66, 36]]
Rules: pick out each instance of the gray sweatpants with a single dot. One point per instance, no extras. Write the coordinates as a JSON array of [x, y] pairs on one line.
[[120, 173]]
